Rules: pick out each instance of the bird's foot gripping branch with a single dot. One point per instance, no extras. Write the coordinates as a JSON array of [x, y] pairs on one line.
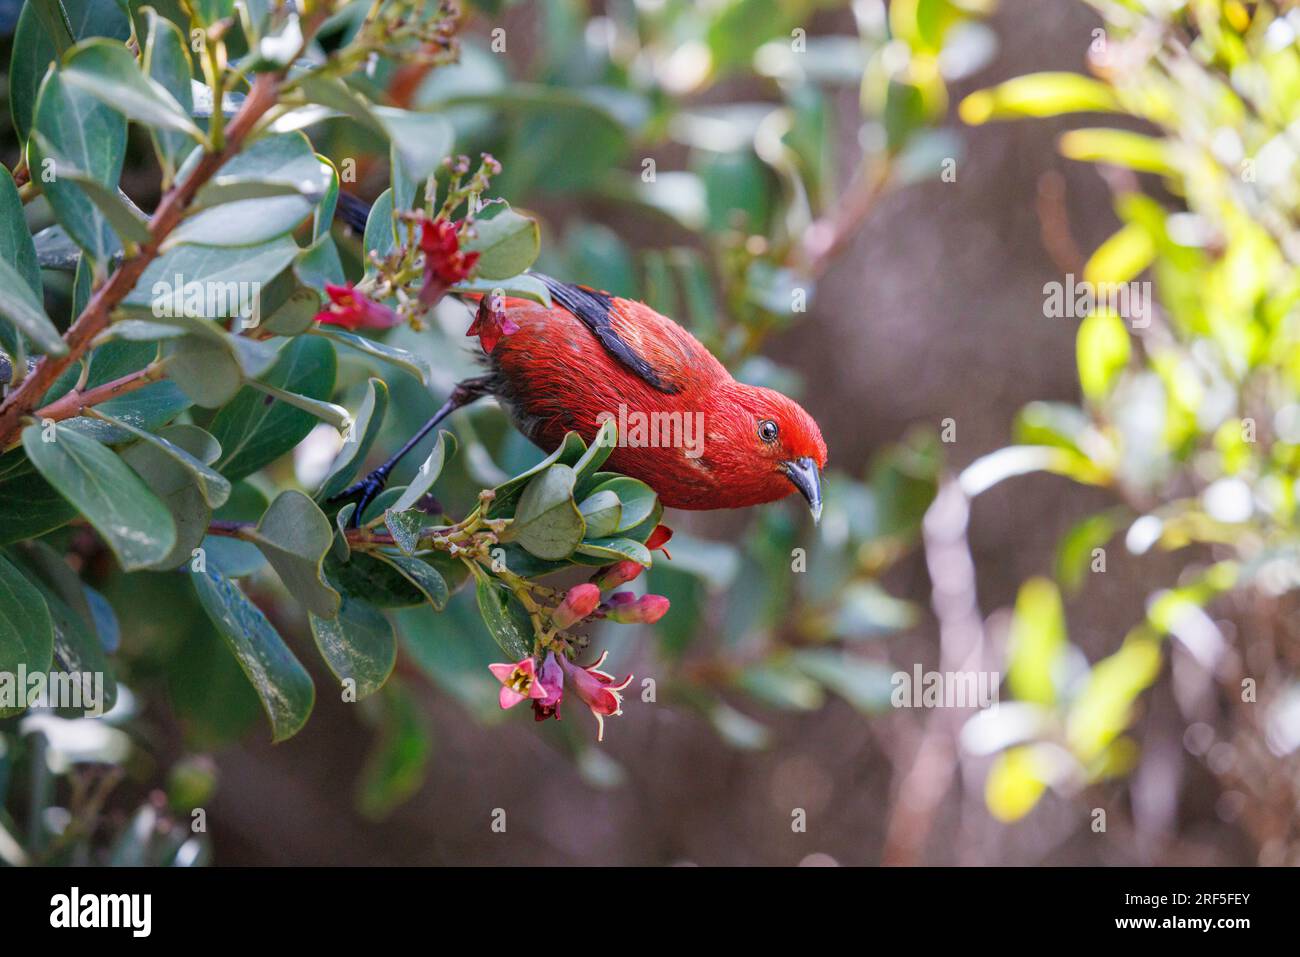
[[203, 345]]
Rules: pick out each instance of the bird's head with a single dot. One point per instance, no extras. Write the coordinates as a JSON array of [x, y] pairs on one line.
[[767, 446]]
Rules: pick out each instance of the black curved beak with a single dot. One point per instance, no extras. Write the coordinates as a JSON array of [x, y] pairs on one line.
[[804, 475]]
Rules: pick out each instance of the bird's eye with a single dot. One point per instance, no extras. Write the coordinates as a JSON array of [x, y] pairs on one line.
[[767, 431]]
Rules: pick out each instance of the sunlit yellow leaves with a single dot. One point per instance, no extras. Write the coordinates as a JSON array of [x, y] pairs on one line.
[[1148, 154], [1104, 708], [1102, 350], [1039, 94], [1015, 783], [1036, 642]]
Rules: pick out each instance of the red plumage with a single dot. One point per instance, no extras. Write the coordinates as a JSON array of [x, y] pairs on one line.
[[729, 445]]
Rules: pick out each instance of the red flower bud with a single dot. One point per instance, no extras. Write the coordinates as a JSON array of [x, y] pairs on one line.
[[444, 262], [620, 573], [659, 538], [580, 602]]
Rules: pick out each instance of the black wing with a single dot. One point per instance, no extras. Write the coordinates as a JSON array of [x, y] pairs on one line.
[[592, 309]]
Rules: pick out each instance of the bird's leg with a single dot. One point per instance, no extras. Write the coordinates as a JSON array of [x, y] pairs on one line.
[[365, 491]]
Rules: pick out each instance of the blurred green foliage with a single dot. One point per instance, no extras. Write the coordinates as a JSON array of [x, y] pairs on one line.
[[1190, 413]]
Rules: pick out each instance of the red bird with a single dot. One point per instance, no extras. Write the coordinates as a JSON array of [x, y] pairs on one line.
[[689, 430]]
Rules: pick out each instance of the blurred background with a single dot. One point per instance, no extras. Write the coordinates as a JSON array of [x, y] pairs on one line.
[[697, 156]]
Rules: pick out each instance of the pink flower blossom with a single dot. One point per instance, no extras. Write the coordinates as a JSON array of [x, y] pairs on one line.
[[551, 680], [354, 310], [518, 682], [598, 691]]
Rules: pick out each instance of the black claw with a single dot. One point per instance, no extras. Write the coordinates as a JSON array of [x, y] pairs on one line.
[[363, 493]]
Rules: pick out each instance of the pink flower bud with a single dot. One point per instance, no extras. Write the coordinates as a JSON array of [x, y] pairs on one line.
[[580, 602], [620, 573], [627, 609]]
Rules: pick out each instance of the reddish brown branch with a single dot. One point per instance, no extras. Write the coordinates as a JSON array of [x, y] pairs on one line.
[[76, 402], [95, 317]]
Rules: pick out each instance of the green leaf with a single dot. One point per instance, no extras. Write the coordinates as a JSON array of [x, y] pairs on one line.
[[373, 581], [428, 473], [106, 70], [335, 415], [416, 365], [167, 62], [26, 631], [358, 644], [212, 486], [523, 286], [406, 528], [227, 215], [506, 619], [224, 279], [1039, 94], [129, 224], [422, 140], [1103, 350], [360, 437], [1036, 643], [507, 493], [77, 651], [638, 500], [602, 445], [1074, 551], [547, 522], [30, 505], [55, 21], [323, 218], [507, 244], [282, 684], [423, 576], [18, 304], [254, 429], [1121, 257], [137, 527], [19, 252], [92, 138], [175, 466], [333, 93], [208, 12], [1104, 707], [381, 235], [33, 50], [209, 370], [295, 537], [601, 512], [607, 550]]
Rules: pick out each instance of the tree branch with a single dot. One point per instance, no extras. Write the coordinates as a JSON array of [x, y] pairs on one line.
[[76, 402], [95, 317]]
